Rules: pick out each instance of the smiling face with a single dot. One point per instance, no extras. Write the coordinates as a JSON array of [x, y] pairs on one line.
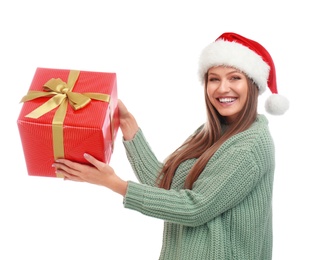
[[227, 90]]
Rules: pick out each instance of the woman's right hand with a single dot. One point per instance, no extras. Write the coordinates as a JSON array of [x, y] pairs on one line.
[[128, 124]]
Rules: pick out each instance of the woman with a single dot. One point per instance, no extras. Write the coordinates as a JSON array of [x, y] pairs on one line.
[[214, 192]]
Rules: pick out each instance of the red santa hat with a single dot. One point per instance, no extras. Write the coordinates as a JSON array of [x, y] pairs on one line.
[[231, 49]]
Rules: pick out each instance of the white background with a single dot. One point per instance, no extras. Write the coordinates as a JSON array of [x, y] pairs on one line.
[[153, 46]]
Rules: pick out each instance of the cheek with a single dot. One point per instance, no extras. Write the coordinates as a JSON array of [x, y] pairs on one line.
[[242, 89], [210, 92], [244, 99], [244, 94], [209, 95]]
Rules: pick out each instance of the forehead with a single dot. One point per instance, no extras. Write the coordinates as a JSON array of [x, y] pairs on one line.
[[224, 69]]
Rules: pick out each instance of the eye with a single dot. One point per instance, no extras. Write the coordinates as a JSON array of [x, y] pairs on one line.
[[235, 78], [213, 79]]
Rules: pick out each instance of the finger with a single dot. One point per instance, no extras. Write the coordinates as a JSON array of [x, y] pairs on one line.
[[121, 105], [70, 177], [63, 168], [122, 109], [70, 164], [98, 164]]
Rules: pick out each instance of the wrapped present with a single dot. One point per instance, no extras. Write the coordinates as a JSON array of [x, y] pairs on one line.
[[65, 114]]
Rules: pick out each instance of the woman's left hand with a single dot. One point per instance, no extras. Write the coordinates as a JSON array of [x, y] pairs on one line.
[[100, 174]]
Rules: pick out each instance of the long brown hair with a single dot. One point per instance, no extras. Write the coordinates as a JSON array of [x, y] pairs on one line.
[[203, 144]]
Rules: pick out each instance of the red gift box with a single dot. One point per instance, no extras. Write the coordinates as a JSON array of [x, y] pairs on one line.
[[65, 114]]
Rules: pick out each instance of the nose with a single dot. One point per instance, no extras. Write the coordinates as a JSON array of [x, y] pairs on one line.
[[224, 86]]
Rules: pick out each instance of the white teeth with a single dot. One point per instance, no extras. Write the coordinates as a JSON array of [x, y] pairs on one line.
[[226, 100]]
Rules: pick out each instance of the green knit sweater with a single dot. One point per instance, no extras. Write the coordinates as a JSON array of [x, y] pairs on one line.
[[228, 212]]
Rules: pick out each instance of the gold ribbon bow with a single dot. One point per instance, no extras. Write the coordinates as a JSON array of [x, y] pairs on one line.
[[61, 93]]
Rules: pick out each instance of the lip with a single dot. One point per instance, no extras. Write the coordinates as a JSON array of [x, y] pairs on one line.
[[226, 100]]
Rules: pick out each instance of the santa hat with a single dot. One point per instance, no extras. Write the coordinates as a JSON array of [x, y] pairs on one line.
[[231, 49]]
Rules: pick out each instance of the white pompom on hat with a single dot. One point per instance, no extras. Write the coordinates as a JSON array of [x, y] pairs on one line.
[[234, 50]]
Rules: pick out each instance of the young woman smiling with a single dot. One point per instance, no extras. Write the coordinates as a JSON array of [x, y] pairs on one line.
[[227, 90], [214, 192]]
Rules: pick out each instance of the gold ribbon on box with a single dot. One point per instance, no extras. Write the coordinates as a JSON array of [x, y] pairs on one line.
[[61, 94]]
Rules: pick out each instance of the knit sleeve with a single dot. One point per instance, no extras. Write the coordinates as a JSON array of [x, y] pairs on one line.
[[142, 159], [224, 183]]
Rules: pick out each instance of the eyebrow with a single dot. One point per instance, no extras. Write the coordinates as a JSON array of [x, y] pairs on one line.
[[231, 72]]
